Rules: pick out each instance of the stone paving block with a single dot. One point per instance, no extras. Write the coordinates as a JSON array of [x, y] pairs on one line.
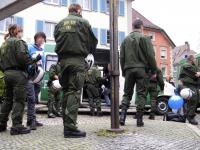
[[155, 135]]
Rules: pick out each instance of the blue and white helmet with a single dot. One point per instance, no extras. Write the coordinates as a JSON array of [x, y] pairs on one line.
[[39, 75], [186, 93], [56, 85], [90, 60]]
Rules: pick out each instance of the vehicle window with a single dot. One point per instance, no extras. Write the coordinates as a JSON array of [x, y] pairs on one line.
[[50, 60]]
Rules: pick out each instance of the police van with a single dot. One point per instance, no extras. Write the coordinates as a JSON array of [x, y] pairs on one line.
[[101, 59]]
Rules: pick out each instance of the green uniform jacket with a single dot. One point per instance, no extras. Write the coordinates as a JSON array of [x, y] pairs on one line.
[[74, 37], [54, 70], [14, 54], [137, 52], [187, 74]]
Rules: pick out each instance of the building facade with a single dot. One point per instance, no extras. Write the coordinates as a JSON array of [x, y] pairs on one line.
[[163, 45], [45, 15], [179, 53]]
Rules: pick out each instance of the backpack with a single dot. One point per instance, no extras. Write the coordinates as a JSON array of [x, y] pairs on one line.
[[176, 117]]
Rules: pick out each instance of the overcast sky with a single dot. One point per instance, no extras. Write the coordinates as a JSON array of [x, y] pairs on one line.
[[179, 18]]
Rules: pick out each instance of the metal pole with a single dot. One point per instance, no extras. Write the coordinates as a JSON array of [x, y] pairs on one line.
[[114, 60]]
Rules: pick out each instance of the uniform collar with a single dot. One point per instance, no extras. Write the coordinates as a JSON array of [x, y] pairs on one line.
[[75, 14]]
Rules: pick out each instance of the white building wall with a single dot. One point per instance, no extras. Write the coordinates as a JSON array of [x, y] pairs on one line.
[[54, 13]]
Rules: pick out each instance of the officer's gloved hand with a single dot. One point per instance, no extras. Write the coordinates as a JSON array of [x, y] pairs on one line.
[[37, 58]]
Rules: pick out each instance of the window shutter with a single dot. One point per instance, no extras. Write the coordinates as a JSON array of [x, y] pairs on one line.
[[39, 26], [103, 37], [64, 2], [103, 6], [121, 7], [95, 5], [121, 37], [95, 31], [19, 21]]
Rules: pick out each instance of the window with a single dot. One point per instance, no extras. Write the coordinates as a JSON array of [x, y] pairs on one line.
[[4, 24], [86, 4], [108, 36], [39, 26], [163, 53], [74, 1], [121, 37], [54, 2], [152, 35], [108, 6], [95, 5], [95, 31], [64, 2], [164, 69], [103, 6], [49, 30], [103, 36], [121, 8], [50, 60]]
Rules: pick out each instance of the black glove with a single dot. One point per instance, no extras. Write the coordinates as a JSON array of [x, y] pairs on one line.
[[39, 57]]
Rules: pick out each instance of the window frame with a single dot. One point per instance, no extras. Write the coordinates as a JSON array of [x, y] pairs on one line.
[[162, 48], [51, 38], [153, 35], [50, 60], [90, 5]]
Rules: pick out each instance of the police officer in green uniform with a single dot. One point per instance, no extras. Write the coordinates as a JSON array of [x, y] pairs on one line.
[[136, 56], [152, 90], [92, 84], [189, 77], [74, 41], [14, 61], [54, 100]]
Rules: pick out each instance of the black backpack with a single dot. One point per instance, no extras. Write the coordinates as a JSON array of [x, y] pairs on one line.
[[176, 117]]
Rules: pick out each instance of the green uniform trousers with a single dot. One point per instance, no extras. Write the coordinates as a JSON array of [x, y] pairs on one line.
[[153, 93], [16, 82], [54, 101], [192, 103], [134, 76], [93, 96], [72, 80]]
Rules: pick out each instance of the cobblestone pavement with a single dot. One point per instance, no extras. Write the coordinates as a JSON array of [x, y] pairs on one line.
[[155, 135]]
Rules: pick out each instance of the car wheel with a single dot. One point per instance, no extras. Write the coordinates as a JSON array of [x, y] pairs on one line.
[[162, 105]]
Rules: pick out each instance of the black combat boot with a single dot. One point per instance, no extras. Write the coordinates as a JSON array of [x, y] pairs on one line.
[[51, 115], [99, 112], [32, 124], [192, 120], [59, 114], [92, 112], [3, 127], [19, 130], [122, 118], [74, 133], [152, 116], [38, 124], [139, 116]]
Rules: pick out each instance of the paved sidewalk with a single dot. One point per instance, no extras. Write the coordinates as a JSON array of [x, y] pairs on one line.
[[155, 135]]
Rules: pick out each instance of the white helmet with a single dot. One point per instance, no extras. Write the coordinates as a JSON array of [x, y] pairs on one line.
[[56, 85], [39, 75], [90, 60], [186, 93]]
